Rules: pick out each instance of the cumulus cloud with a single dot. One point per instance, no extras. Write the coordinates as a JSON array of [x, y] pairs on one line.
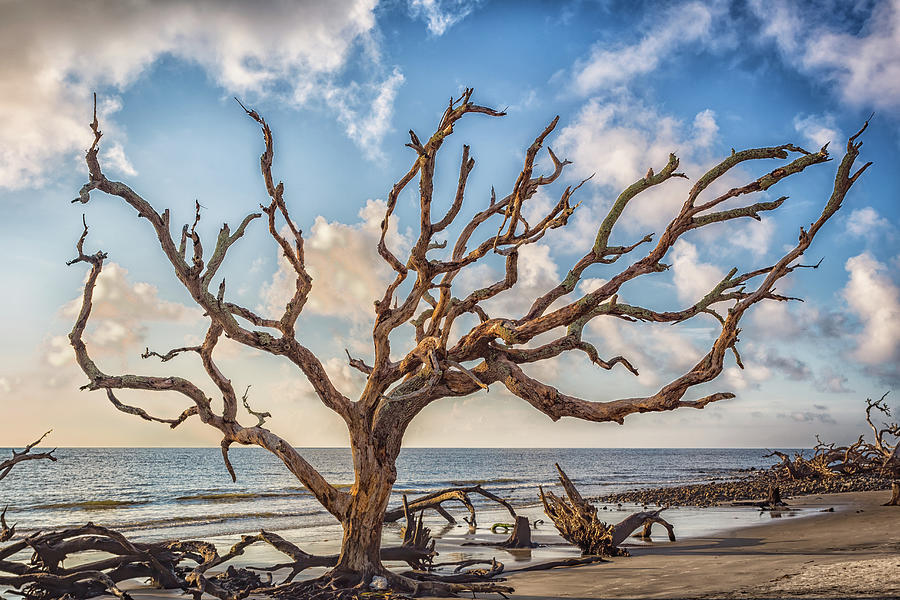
[[537, 274], [606, 67], [875, 299], [617, 139], [293, 51], [348, 273], [115, 160], [863, 66], [693, 279], [441, 15], [866, 222], [121, 309], [818, 130], [809, 416]]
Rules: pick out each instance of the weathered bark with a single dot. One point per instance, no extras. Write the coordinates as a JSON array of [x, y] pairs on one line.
[[435, 501], [6, 532], [895, 494], [774, 498], [577, 522], [445, 361]]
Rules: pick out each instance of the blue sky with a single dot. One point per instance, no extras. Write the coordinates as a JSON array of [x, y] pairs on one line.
[[341, 83]]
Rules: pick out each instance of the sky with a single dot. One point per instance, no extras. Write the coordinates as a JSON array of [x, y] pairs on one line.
[[341, 83]]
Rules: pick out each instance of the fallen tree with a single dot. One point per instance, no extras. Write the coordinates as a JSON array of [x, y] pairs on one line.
[[578, 522], [878, 456], [449, 356]]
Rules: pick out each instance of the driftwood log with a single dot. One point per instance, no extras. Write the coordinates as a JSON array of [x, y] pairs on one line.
[[18, 457], [521, 529], [879, 456], [435, 501], [578, 523], [895, 494]]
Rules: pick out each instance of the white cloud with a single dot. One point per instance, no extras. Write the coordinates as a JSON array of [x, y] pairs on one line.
[[113, 157], [290, 50], [864, 66], [365, 120], [120, 311], [441, 15], [866, 222], [606, 68], [693, 279], [818, 130], [752, 235], [618, 139], [537, 274], [348, 273], [875, 299]]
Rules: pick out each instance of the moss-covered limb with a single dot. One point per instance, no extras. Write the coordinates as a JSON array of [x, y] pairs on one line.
[[766, 181], [601, 242], [751, 211], [601, 252], [737, 158]]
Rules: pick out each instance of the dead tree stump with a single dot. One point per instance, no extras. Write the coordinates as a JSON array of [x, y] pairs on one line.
[[521, 535], [578, 523]]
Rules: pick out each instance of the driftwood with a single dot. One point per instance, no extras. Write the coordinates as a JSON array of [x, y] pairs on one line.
[[435, 501], [578, 523], [164, 564], [17, 457], [879, 456], [895, 494], [521, 529], [773, 500]]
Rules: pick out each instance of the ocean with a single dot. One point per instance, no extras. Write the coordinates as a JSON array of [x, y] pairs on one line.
[[159, 493]]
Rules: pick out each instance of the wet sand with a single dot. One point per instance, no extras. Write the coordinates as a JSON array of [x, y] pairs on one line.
[[852, 552]]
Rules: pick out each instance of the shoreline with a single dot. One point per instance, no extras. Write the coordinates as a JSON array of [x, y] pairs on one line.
[[851, 552]]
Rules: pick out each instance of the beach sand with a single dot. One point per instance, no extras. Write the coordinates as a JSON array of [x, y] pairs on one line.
[[853, 551]]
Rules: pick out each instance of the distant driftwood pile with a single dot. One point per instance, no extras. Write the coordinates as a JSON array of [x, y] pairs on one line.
[[877, 457]]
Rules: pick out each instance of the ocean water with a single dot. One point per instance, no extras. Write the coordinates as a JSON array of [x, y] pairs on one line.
[[157, 493]]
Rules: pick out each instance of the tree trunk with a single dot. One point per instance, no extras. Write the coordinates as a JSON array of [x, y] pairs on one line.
[[895, 494], [360, 557]]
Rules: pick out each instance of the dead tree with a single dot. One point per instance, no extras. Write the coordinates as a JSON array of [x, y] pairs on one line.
[[877, 457], [577, 521], [444, 362]]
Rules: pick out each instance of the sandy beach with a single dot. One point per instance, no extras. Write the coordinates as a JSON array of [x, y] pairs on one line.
[[851, 552]]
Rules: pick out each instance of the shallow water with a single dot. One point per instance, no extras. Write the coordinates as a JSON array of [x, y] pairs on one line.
[[157, 493]]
